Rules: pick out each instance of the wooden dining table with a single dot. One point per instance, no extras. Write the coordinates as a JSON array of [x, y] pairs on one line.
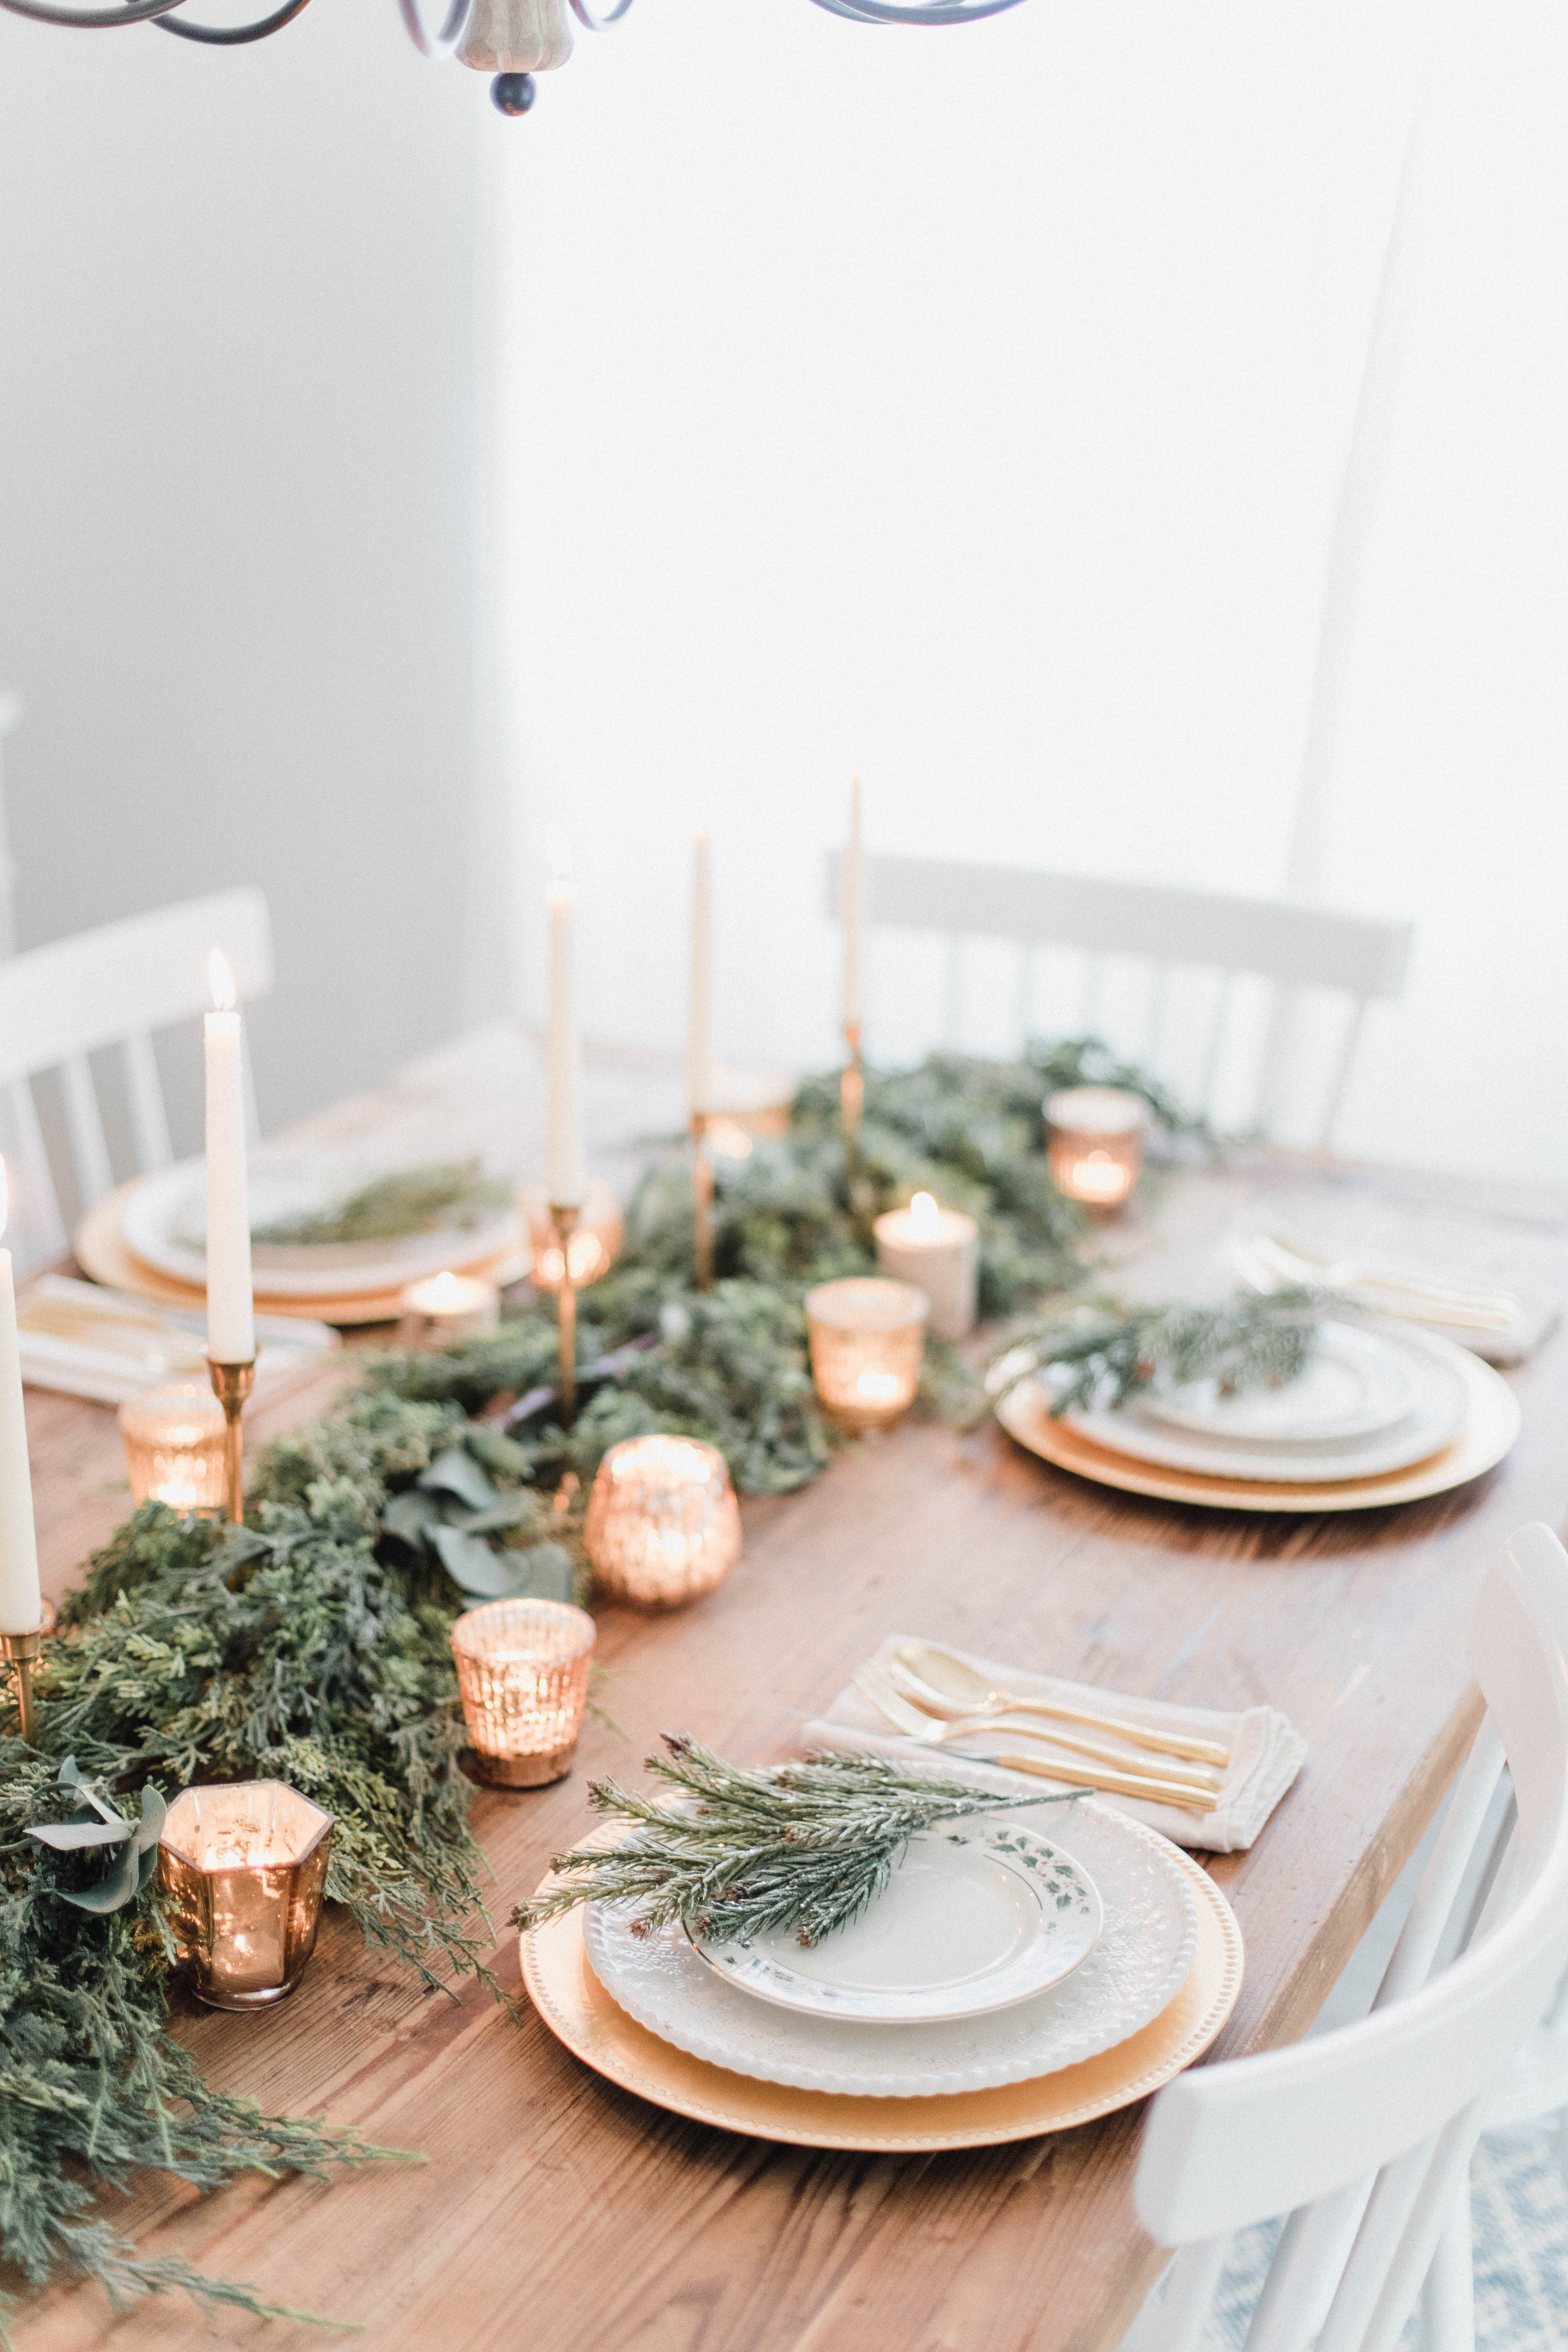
[[551, 2210]]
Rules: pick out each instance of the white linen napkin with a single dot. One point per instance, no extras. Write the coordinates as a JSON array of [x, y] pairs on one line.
[[1267, 1751]]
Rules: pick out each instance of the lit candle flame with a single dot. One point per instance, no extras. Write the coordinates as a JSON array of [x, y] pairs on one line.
[[923, 1210], [220, 979], [445, 1290]]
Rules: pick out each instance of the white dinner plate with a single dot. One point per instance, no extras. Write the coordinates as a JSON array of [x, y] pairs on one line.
[[165, 1223], [973, 1919], [1434, 1420], [1355, 1382], [1146, 1948]]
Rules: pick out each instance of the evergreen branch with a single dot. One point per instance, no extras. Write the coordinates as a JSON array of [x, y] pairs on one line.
[[1104, 1352]]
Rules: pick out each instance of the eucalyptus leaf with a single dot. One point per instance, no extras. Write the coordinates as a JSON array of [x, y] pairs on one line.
[[542, 1572], [471, 1564], [500, 1455], [74, 1837], [118, 1888], [154, 1813], [519, 1509], [457, 1473], [411, 1516]]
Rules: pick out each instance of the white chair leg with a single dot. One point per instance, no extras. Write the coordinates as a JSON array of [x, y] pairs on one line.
[[1449, 2297]]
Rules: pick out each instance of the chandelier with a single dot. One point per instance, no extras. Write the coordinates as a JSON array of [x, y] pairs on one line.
[[510, 39]]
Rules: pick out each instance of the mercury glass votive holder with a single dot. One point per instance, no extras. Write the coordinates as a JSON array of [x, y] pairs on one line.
[[245, 1863], [866, 1337], [1096, 1146], [592, 1246], [663, 1525], [174, 1446], [522, 1670]]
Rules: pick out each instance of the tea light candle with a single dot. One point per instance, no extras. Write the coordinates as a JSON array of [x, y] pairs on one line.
[[866, 1337], [938, 1250], [591, 1247], [173, 1447], [451, 1307], [522, 1670], [245, 1863], [663, 1525], [1096, 1147]]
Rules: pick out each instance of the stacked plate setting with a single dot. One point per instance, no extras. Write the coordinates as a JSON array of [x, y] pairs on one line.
[[997, 1954]]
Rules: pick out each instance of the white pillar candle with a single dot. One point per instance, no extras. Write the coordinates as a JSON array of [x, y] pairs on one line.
[[852, 906], [21, 1603], [937, 1251], [231, 1320], [565, 1170], [700, 1036]]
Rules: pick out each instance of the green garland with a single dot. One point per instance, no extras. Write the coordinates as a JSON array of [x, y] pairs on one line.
[[313, 1644]]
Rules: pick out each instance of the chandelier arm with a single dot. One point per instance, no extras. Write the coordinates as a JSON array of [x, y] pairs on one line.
[[231, 36], [138, 12], [441, 44], [943, 11], [586, 15]]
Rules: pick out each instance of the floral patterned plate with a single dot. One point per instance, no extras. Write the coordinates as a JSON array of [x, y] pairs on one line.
[[1114, 1987]]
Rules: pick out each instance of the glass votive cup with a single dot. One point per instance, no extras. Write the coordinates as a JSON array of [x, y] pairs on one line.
[[522, 1670], [592, 1245], [174, 1446], [1096, 1145], [663, 1525], [245, 1864], [448, 1307], [866, 1337]]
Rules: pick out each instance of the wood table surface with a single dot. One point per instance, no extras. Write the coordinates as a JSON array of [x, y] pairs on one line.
[[557, 2212]]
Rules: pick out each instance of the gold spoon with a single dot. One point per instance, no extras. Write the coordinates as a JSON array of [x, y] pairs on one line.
[[949, 1680]]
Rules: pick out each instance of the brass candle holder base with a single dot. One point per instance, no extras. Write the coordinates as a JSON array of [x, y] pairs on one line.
[[702, 1200], [23, 1652], [231, 1383], [563, 1217]]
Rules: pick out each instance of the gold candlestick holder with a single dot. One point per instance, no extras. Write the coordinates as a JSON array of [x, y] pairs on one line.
[[703, 1200], [23, 1652], [852, 1091], [563, 1217], [231, 1383]]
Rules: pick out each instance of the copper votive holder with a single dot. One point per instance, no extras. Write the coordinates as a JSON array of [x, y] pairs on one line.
[[522, 1670], [591, 1247], [174, 1446], [663, 1525], [1096, 1147], [867, 1338], [245, 1864]]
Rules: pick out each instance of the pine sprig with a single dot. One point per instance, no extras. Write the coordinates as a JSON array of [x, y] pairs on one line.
[[1104, 1352], [802, 1845]]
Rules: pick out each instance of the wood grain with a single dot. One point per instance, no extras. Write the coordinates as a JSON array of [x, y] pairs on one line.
[[554, 2210]]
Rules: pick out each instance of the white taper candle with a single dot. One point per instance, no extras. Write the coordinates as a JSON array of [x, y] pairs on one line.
[[21, 1603], [852, 906], [700, 1036], [231, 1315], [565, 1169]]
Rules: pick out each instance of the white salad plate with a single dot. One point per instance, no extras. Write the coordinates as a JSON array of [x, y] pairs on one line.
[[1437, 1412], [165, 1223], [1355, 1382], [973, 1918], [1144, 1951]]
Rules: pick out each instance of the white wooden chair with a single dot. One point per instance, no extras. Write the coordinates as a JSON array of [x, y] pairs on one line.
[[110, 988], [1364, 2136], [1296, 950]]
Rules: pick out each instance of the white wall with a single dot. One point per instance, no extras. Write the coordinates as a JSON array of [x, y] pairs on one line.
[[237, 402], [968, 408]]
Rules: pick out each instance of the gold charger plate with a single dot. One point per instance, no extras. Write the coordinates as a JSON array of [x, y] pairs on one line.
[[103, 1253], [1491, 1426], [581, 2013]]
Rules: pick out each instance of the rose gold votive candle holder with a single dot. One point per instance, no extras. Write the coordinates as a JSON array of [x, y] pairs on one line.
[[522, 1669], [174, 1446], [246, 1865], [866, 1337], [1096, 1147], [593, 1245], [663, 1525]]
